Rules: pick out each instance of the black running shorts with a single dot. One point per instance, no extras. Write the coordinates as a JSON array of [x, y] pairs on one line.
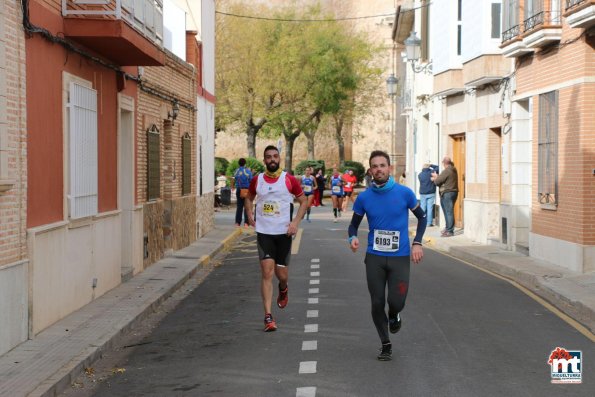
[[348, 194], [274, 246]]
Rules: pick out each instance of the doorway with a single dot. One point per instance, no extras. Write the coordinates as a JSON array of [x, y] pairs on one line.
[[126, 183], [458, 158]]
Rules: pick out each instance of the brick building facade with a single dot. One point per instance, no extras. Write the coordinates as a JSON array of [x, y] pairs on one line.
[[553, 44], [13, 179]]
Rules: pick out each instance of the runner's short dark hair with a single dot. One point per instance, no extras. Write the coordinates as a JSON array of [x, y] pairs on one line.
[[378, 153], [270, 147], [242, 162]]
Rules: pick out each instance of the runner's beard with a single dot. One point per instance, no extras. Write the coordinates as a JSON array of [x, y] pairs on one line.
[[379, 180], [272, 167]]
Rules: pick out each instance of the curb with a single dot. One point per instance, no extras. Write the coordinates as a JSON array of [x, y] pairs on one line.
[[66, 375], [535, 283]]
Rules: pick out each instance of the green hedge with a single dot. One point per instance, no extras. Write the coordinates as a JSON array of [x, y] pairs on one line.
[[221, 165], [255, 165], [315, 164]]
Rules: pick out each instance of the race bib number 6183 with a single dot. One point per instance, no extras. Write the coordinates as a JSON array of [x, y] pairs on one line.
[[386, 240]]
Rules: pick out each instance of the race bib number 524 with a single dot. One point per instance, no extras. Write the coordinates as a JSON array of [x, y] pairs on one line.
[[270, 208]]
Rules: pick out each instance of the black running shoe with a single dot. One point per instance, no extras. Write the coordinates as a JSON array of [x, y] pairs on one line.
[[386, 352], [394, 323]]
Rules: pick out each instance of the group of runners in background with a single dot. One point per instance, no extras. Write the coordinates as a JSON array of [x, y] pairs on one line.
[[341, 187]]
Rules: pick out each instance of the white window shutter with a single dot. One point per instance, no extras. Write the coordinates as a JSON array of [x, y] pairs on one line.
[[83, 166]]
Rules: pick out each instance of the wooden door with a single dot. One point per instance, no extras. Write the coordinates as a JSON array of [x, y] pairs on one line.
[[458, 158]]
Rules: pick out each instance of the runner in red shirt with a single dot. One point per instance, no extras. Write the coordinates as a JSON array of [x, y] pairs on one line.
[[349, 181]]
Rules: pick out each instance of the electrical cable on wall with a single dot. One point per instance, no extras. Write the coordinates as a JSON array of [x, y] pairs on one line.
[[31, 29]]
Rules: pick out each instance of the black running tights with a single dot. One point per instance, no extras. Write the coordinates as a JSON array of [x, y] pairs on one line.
[[387, 275]]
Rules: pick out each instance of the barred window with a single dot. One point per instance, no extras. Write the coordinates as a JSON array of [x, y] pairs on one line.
[[153, 163], [548, 150], [186, 164]]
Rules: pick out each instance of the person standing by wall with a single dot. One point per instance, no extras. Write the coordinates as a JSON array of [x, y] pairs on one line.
[[320, 182], [368, 178], [242, 178], [448, 182], [427, 191]]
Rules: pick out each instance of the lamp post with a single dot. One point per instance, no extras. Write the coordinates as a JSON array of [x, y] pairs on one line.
[[391, 89], [413, 50], [391, 86]]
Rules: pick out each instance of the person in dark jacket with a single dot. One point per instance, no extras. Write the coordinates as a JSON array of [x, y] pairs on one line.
[[242, 178], [448, 181], [427, 191]]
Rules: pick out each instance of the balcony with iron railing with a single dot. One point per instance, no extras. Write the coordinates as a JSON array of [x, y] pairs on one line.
[[542, 28], [512, 44], [128, 32], [580, 13]]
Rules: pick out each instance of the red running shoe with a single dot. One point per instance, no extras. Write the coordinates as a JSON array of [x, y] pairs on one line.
[[269, 323], [282, 298]]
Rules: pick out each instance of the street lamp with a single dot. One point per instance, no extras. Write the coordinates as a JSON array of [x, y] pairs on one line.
[[413, 50], [391, 85]]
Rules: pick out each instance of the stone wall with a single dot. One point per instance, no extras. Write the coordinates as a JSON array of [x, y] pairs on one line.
[[205, 215], [183, 214], [154, 244]]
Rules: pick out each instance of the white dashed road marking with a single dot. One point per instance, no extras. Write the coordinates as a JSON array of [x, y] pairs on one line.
[[310, 345], [308, 367], [305, 392]]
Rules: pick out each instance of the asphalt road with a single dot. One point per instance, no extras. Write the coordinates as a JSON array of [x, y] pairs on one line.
[[465, 333]]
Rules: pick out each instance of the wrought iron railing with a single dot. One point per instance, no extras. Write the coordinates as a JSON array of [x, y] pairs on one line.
[[146, 16], [570, 4], [511, 33], [541, 18]]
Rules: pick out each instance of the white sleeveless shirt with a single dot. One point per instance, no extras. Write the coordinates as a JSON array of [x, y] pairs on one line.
[[273, 201]]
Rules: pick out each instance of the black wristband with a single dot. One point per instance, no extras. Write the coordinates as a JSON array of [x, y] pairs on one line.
[[416, 243]]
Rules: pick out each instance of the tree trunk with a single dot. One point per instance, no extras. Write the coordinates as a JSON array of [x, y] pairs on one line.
[[339, 139], [289, 141], [251, 141], [251, 132], [310, 135]]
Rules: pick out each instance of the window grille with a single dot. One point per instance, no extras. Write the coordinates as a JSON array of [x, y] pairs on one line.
[[153, 163], [186, 164], [548, 149]]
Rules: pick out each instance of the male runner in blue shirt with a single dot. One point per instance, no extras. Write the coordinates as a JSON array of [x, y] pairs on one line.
[[388, 256]]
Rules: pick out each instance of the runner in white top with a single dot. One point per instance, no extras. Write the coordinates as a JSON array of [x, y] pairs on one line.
[[274, 192]]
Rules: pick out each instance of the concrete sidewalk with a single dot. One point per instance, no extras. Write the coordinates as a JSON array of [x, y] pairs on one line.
[[571, 293], [48, 364]]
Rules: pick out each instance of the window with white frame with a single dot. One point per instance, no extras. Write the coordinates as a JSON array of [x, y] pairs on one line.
[[82, 151], [548, 150]]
